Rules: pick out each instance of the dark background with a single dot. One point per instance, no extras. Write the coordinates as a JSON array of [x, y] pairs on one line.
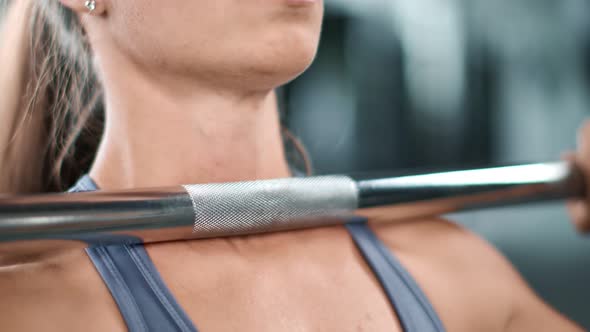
[[401, 84]]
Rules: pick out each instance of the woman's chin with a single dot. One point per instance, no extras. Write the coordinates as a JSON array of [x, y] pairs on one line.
[[279, 66], [285, 70], [269, 78]]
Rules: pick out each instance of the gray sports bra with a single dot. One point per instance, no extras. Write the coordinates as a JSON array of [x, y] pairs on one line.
[[146, 304]]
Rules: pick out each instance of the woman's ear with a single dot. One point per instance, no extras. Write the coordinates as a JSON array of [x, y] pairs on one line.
[[91, 7]]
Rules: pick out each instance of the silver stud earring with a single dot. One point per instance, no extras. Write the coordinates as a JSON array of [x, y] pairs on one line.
[[91, 5]]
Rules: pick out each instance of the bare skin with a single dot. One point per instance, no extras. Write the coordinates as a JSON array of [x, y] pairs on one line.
[[170, 121], [580, 209]]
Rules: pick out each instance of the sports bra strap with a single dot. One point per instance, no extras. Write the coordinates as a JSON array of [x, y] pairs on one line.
[[414, 311], [144, 301]]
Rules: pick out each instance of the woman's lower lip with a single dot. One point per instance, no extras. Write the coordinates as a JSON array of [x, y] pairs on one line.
[[301, 2]]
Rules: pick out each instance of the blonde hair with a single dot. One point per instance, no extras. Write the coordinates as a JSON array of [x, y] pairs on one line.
[[50, 110]]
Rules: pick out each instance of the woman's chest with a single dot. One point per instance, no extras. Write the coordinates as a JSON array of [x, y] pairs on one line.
[[304, 286]]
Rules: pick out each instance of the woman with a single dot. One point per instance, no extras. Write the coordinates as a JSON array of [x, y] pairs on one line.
[[187, 92]]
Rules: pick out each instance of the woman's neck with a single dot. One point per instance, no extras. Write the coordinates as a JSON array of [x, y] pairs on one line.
[[156, 138]]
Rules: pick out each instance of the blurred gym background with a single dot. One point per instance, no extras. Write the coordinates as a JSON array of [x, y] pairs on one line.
[[402, 84]]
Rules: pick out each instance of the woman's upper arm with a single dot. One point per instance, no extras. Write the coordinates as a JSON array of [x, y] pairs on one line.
[[530, 313]]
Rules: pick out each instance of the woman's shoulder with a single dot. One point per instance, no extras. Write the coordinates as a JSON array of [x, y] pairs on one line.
[[443, 241], [467, 280], [61, 292]]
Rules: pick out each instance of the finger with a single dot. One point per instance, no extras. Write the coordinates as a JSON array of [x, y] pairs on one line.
[[584, 143], [569, 156], [579, 213]]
